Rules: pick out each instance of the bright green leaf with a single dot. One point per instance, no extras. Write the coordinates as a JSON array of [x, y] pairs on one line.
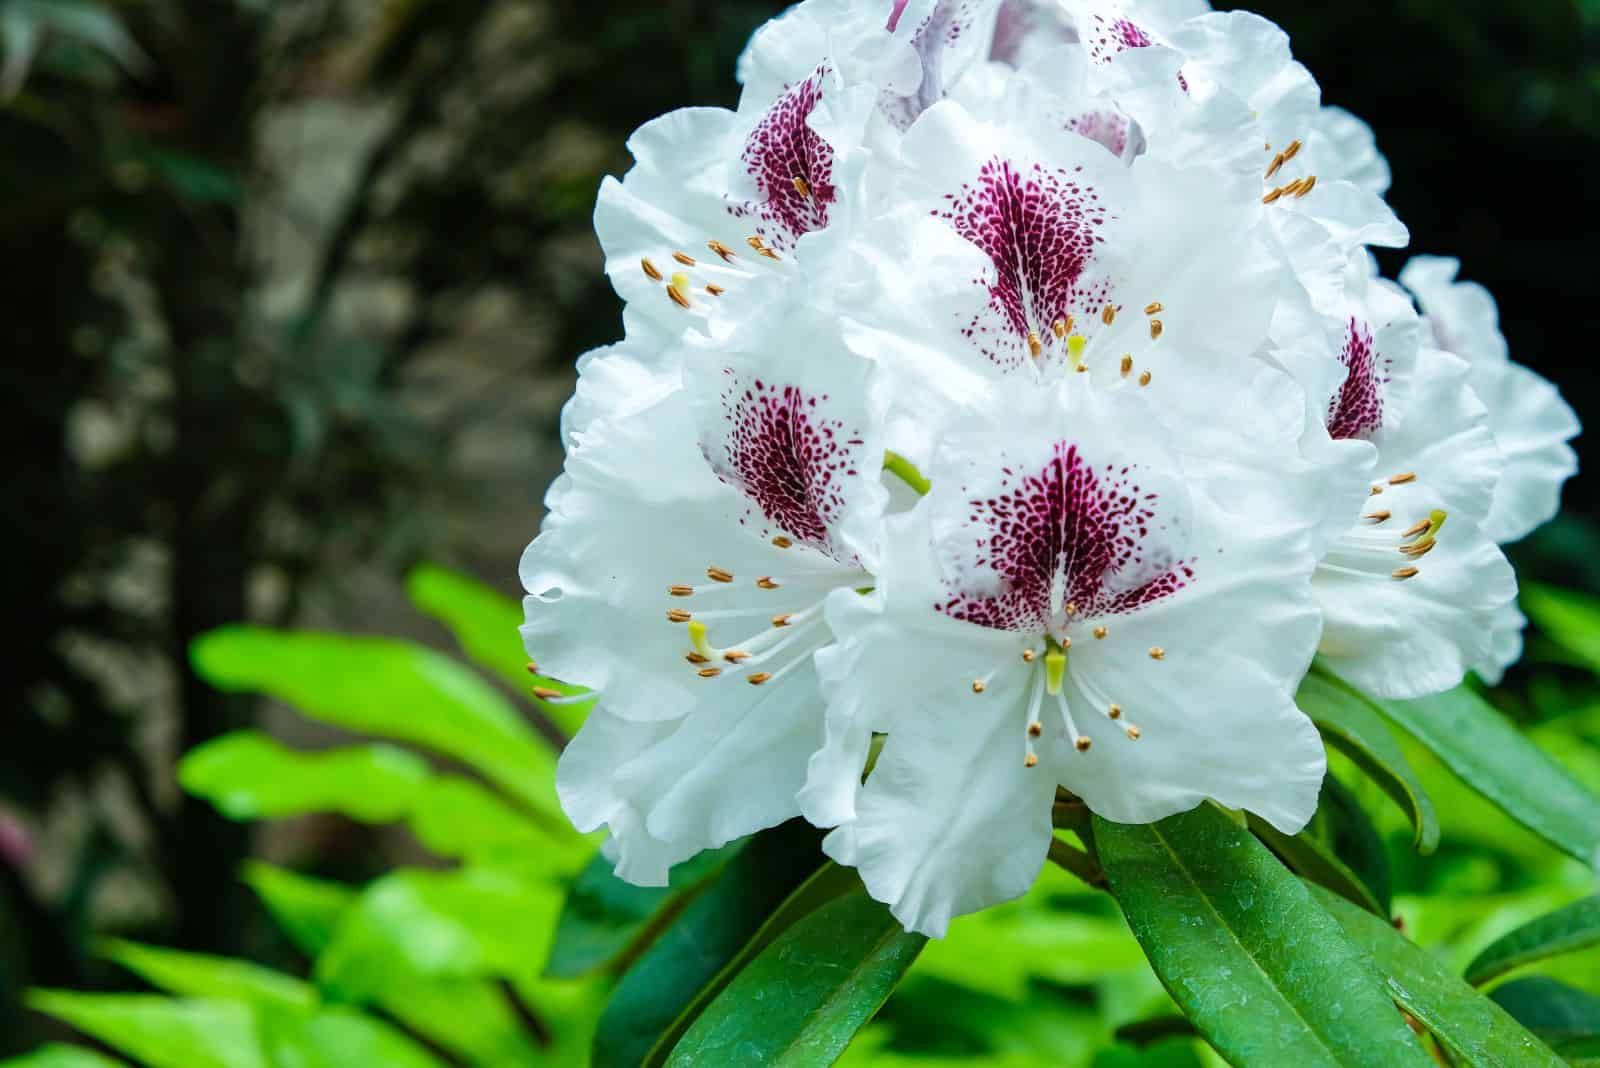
[[391, 689], [159, 1031], [1241, 945], [248, 775], [307, 909], [1475, 1030], [1351, 724], [1564, 931], [194, 975], [1478, 744], [1553, 1010], [338, 1038], [471, 923], [802, 1000], [458, 818], [1570, 618], [58, 1056], [486, 624], [693, 950], [471, 1018]]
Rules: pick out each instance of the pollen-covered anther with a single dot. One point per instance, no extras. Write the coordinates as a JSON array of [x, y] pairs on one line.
[[1100, 632], [1155, 329], [1292, 151], [1114, 712], [802, 187], [1277, 162], [651, 271], [1059, 328], [1144, 379], [726, 254], [1134, 732], [782, 542], [1127, 365], [758, 678], [1035, 346], [709, 672], [1379, 516], [782, 620], [684, 258], [1419, 548], [545, 694], [1082, 743], [696, 659], [676, 293], [1293, 187], [1376, 489], [1108, 314], [734, 656], [1029, 656], [1066, 643], [1035, 729], [533, 667], [681, 591], [717, 574], [1420, 528], [1031, 760], [1403, 478], [1272, 197], [1157, 653], [1154, 308], [678, 615], [714, 289], [1307, 184], [765, 582], [1072, 610], [1404, 572], [978, 686]]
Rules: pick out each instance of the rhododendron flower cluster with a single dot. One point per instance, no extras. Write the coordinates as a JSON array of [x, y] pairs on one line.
[[1010, 403]]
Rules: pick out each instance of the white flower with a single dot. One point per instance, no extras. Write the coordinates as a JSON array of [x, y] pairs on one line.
[[1530, 421], [1414, 592], [1074, 602], [681, 571]]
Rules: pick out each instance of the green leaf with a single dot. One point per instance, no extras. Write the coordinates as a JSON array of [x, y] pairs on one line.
[[248, 775], [194, 975], [1352, 724], [459, 818], [307, 909], [470, 923], [1475, 1030], [1311, 858], [58, 1056], [1579, 1052], [473, 1019], [606, 920], [391, 689], [338, 1038], [712, 929], [1494, 758], [486, 625], [1564, 931], [1241, 945], [159, 1031], [1348, 830], [804, 998], [1551, 1009], [1568, 617]]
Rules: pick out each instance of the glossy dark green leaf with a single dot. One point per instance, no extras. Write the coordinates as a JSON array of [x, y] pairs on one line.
[[606, 920], [391, 689], [1347, 828], [710, 932], [1311, 858], [1551, 1009], [800, 1002], [306, 909], [1353, 725], [485, 623], [195, 975], [1564, 931], [1265, 974], [58, 1056], [1476, 1031], [1489, 754], [1577, 1052], [161, 1032]]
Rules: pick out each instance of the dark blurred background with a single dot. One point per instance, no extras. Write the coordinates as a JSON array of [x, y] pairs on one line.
[[293, 291]]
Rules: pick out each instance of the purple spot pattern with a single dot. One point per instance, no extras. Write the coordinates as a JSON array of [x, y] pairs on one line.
[[1114, 36], [950, 21], [1039, 231], [780, 149], [790, 459], [894, 15], [1356, 411], [1088, 527], [1106, 128]]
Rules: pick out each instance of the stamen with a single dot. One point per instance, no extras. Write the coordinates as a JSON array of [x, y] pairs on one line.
[[545, 694], [1133, 733], [1127, 365], [684, 258], [1081, 368], [1078, 739], [1277, 162], [766, 583], [717, 574], [733, 656], [533, 668], [678, 615], [1108, 315], [1066, 643], [1114, 712], [681, 591], [1154, 308], [1029, 656], [1144, 379], [714, 289], [651, 271], [1059, 328], [696, 658], [782, 620], [802, 187], [755, 242], [1292, 187], [1157, 653], [677, 296], [1035, 729], [1404, 572], [1292, 151], [1035, 346], [710, 672], [782, 542], [1083, 744], [1376, 489], [727, 254], [1031, 760], [1420, 528], [1310, 183], [978, 686], [1072, 610], [758, 678], [1100, 632], [1419, 548], [1402, 479], [1155, 329], [1272, 196], [1379, 516]]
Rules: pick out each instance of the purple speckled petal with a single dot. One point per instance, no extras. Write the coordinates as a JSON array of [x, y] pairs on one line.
[[1356, 411], [792, 168]]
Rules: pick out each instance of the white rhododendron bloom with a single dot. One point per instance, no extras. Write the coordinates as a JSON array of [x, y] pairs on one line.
[[1010, 405]]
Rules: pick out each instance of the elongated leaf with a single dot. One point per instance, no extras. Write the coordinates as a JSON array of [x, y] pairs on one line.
[[1564, 931], [485, 623], [58, 1056], [801, 1001], [826, 884], [471, 923], [1243, 948], [691, 952], [1569, 617], [338, 1038], [1551, 1009], [1579, 1052], [458, 818], [307, 909], [195, 975], [158, 1031], [391, 689], [1494, 758], [1311, 859], [605, 919], [1475, 1030], [1352, 724], [1346, 827], [472, 1019], [248, 775]]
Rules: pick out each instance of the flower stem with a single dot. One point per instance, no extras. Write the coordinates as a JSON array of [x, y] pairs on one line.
[[1078, 863]]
